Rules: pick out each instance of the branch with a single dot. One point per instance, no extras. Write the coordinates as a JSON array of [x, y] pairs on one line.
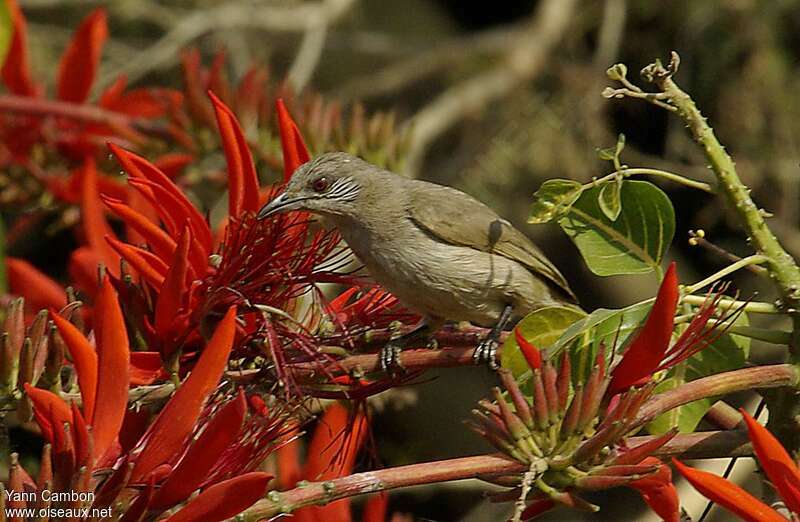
[[221, 17], [782, 267], [524, 62], [76, 111], [715, 444], [773, 376], [313, 42], [425, 62]]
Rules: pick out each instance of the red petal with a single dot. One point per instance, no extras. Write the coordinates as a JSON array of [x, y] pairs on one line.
[[83, 269], [44, 402], [83, 443], [295, 152], [529, 351], [113, 366], [195, 87], [138, 508], [289, 469], [778, 465], [651, 342], [146, 368], [332, 453], [113, 92], [16, 71], [150, 267], [728, 495], [174, 217], [139, 167], [158, 240], [224, 500], [95, 226], [659, 492], [173, 164], [242, 177], [536, 508], [376, 507], [85, 360], [176, 421], [173, 293], [39, 290], [203, 454], [78, 65]]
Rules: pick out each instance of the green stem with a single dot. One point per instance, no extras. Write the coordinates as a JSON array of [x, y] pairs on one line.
[[748, 306], [755, 259], [677, 178], [781, 265]]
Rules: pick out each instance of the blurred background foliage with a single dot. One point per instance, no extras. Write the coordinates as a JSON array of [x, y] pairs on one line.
[[739, 62]]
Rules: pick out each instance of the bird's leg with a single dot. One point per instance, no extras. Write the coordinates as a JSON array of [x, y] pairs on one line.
[[486, 351], [390, 352]]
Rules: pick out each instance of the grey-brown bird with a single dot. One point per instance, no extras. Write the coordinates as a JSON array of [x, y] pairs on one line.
[[442, 252]]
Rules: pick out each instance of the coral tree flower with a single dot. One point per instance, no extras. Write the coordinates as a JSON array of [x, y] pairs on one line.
[[75, 76], [780, 468], [154, 465], [584, 426], [651, 349]]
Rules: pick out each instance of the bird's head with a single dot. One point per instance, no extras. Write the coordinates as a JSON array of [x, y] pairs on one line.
[[329, 184]]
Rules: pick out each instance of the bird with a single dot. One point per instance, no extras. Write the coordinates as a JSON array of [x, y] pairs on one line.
[[440, 251]]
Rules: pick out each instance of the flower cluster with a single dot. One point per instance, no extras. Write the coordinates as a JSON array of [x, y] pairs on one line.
[[135, 462], [573, 437]]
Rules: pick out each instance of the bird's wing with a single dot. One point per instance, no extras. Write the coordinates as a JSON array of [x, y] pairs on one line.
[[466, 221]]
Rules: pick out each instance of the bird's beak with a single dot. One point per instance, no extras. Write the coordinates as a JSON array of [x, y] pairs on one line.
[[281, 203]]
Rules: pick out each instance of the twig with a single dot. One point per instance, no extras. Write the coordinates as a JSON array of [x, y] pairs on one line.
[[424, 62], [525, 61], [313, 41], [225, 16], [698, 238]]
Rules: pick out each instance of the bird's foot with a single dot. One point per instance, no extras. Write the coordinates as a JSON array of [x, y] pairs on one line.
[[389, 358], [486, 353]]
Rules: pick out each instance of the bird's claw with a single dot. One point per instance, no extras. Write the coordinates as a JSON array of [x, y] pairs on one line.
[[390, 358], [486, 353]]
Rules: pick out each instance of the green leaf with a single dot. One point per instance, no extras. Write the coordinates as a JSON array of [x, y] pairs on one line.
[[6, 31], [607, 154], [632, 244], [541, 327], [610, 199], [553, 199], [610, 327]]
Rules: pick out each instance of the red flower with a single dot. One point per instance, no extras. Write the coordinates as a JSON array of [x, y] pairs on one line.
[[650, 350], [189, 446], [75, 76], [781, 470], [659, 492], [331, 453], [529, 351], [647, 349]]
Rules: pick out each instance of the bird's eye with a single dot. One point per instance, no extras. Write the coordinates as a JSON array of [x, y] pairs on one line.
[[320, 184]]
